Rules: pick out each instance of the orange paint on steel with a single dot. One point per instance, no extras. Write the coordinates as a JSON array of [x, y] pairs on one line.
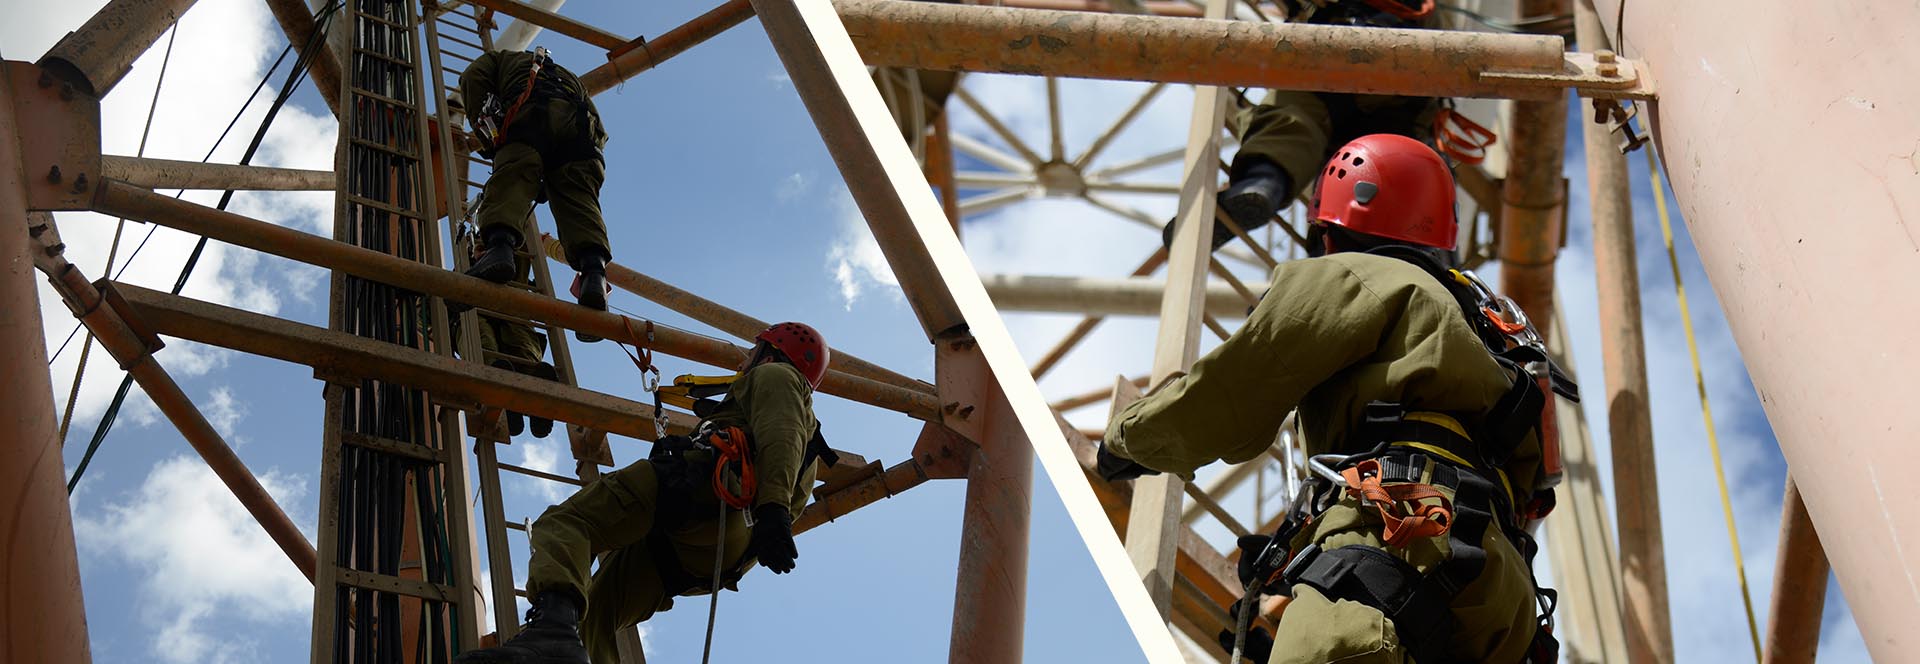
[[1645, 620], [120, 199], [643, 55], [135, 355], [1533, 202], [880, 485], [1799, 586], [336, 355], [41, 615], [989, 605], [297, 21], [927, 35], [102, 51]]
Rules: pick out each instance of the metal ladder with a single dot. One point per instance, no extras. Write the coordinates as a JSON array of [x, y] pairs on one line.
[[395, 580], [456, 35]]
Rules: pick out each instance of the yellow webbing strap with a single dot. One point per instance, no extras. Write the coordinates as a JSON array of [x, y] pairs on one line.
[[1453, 425], [1706, 410]]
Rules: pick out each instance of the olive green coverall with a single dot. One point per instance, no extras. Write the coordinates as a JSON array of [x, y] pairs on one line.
[[774, 405], [550, 143], [1333, 334]]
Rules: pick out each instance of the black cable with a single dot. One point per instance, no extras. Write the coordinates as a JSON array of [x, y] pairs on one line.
[[264, 78], [294, 76]]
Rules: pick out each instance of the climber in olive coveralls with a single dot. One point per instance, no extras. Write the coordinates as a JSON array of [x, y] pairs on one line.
[[548, 148], [1333, 334], [658, 519], [1291, 133]]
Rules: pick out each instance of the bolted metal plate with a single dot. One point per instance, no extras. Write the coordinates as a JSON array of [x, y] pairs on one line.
[[59, 137], [1593, 75]]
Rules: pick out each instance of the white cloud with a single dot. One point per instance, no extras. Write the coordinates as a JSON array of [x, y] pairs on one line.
[[855, 258], [204, 565], [543, 455], [224, 413], [223, 50]]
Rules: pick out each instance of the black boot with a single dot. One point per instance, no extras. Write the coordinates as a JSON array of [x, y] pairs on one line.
[[496, 263], [551, 636], [1256, 191], [541, 426], [515, 423], [590, 286]]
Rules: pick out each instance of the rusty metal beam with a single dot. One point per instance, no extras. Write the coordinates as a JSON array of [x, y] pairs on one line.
[[133, 346], [1091, 397], [1135, 296], [1155, 7], [44, 619], [989, 606], [174, 174], [1293, 56], [120, 199], [1799, 586], [297, 21], [740, 325], [102, 51], [555, 22], [645, 55], [1645, 620], [338, 356], [879, 484]]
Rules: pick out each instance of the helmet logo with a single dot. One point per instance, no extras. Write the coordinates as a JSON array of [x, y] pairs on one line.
[[1364, 191]]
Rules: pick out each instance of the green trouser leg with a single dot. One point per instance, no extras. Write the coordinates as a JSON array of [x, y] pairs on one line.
[[512, 339], [512, 188], [627, 590], [616, 514], [573, 193], [1494, 612], [1291, 129]]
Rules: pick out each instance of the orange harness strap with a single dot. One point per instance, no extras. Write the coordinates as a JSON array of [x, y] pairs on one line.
[[1463, 139], [731, 444], [1425, 520], [513, 112]]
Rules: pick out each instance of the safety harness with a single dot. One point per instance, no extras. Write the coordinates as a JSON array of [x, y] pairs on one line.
[[545, 81], [1412, 456]]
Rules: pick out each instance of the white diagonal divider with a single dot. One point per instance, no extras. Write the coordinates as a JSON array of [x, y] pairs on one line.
[[933, 269]]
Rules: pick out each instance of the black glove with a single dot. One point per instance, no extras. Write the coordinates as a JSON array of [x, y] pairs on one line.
[[773, 538], [1259, 645], [1250, 548], [1114, 468]]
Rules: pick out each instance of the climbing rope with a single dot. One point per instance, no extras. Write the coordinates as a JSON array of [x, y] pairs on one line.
[[1706, 409]]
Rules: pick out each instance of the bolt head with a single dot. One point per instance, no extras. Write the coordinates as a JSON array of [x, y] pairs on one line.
[[53, 174], [1609, 70], [1603, 55]]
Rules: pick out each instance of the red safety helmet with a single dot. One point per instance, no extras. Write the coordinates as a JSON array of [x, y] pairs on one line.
[[1389, 186], [803, 346]]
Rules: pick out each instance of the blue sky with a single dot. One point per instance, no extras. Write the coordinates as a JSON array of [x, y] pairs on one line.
[[709, 149], [717, 182]]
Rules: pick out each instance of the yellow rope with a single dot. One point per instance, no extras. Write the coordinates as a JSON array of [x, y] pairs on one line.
[[1706, 410]]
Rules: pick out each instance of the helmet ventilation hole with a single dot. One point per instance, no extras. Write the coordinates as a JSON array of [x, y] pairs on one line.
[[1358, 161], [1343, 173]]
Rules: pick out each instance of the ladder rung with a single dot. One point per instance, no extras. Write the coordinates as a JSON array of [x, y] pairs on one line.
[[394, 584], [515, 526], [535, 473], [477, 160], [463, 42], [391, 446], [452, 11], [456, 56], [449, 70], [360, 200], [451, 24], [382, 56], [381, 98], [361, 142], [507, 318]]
